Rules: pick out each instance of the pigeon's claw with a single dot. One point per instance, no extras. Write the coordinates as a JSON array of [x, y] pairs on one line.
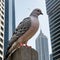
[[21, 44]]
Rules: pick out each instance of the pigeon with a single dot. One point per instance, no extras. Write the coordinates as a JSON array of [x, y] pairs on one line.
[[25, 30]]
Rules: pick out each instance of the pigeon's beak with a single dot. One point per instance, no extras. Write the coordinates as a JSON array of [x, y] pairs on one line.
[[41, 13]]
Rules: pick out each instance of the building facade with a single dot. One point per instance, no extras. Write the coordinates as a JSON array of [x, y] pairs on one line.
[[9, 22], [51, 57], [53, 11], [42, 47], [2, 5]]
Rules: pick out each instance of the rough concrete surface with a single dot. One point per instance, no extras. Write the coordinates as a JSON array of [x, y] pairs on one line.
[[24, 53]]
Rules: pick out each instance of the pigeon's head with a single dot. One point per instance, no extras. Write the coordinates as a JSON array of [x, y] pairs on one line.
[[36, 12]]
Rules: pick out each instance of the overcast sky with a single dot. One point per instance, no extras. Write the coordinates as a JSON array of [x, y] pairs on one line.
[[23, 9]]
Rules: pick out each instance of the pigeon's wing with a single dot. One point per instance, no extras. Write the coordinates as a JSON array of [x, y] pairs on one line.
[[24, 25], [20, 30]]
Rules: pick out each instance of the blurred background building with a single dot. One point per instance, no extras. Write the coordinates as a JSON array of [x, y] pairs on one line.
[[2, 4], [51, 57], [42, 47], [53, 11], [9, 21]]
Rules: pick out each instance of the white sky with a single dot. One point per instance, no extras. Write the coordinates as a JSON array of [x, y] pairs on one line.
[[23, 10]]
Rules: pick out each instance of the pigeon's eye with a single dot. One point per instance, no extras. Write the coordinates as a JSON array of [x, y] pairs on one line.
[[38, 10]]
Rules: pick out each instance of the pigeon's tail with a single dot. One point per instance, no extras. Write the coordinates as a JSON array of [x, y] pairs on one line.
[[10, 44], [6, 56], [7, 53]]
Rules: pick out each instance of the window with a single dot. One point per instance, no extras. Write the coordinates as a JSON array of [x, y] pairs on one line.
[[1, 52], [2, 12], [1, 40], [2, 28], [1, 46], [2, 23], [1, 34], [3, 0], [3, 8], [0, 58], [3, 4], [2, 17]]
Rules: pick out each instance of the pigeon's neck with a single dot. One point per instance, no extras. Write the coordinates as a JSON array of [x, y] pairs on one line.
[[34, 18], [34, 15]]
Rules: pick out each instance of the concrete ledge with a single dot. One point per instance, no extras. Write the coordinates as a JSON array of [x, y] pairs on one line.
[[24, 53]]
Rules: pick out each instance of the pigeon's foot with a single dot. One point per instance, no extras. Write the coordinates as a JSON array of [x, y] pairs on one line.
[[28, 46], [21, 44]]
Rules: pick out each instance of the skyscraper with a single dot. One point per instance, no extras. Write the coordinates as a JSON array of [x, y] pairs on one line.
[[51, 57], [42, 47], [2, 4], [9, 21], [53, 11]]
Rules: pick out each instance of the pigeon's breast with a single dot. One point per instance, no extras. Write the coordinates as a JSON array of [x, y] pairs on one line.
[[34, 22], [31, 31]]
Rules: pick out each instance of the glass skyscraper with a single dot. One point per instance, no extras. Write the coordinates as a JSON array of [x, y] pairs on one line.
[[42, 47], [53, 11], [9, 21], [2, 18]]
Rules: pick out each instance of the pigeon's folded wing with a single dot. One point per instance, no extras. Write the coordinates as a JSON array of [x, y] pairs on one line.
[[20, 30]]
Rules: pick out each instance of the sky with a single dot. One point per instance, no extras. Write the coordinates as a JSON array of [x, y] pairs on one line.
[[23, 8]]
